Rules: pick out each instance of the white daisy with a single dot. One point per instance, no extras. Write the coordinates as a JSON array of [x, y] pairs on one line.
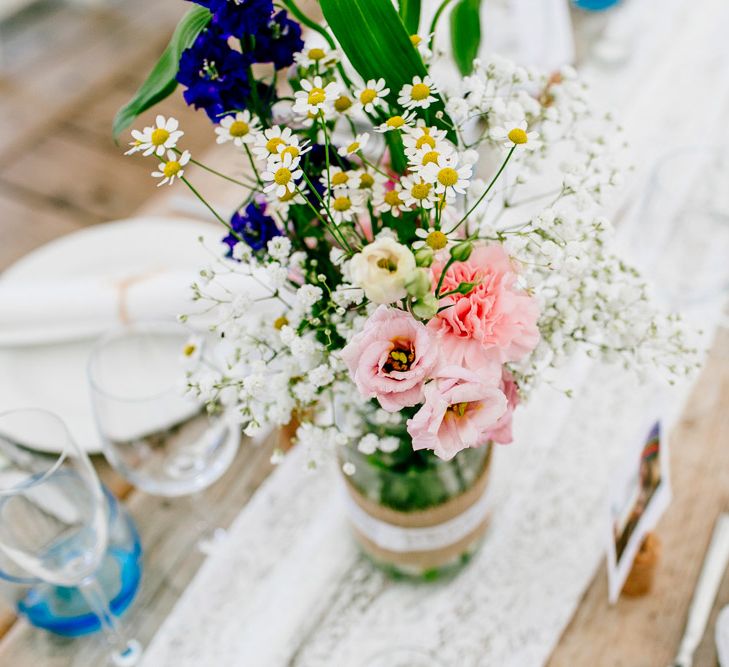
[[513, 134], [281, 205], [157, 139], [338, 178], [344, 105], [282, 174], [312, 56], [372, 95], [431, 237], [420, 159], [418, 94], [369, 183], [447, 176], [240, 129], [344, 206], [356, 145], [422, 136], [418, 192], [268, 143], [171, 169], [315, 97], [396, 122], [389, 201], [421, 44]]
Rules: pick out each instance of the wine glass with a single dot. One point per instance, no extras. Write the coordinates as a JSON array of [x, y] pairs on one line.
[[53, 514], [161, 439]]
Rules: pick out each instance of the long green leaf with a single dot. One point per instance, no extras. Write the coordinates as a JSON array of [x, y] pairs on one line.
[[465, 33], [377, 44], [410, 15], [161, 81]]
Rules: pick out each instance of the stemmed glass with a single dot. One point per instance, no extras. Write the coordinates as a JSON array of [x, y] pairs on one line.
[[163, 441], [53, 514]]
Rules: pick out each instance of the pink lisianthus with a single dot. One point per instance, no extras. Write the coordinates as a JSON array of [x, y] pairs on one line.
[[501, 431], [495, 319], [460, 409], [391, 358]]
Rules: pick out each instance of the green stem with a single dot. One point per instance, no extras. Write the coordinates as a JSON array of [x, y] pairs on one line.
[[434, 22], [448, 265], [485, 192], [224, 176], [209, 207]]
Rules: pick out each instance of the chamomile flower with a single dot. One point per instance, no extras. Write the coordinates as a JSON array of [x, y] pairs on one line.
[[171, 169], [268, 143], [419, 159], [337, 178], [389, 201], [447, 176], [418, 192], [356, 145], [372, 95], [369, 182], [421, 44], [344, 206], [282, 174], [396, 122], [513, 134], [431, 237], [240, 129], [281, 205], [422, 136], [293, 148], [419, 94], [162, 136], [343, 105], [315, 97], [312, 56]]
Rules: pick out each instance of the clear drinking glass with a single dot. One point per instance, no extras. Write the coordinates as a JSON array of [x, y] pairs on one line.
[[163, 441], [54, 516]]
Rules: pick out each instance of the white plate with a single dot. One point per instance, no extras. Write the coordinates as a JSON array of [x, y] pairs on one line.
[[54, 376]]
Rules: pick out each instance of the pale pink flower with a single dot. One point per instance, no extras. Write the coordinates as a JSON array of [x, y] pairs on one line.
[[496, 318], [391, 358], [459, 410], [501, 431]]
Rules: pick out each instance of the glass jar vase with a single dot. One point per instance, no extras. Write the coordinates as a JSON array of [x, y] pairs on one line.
[[416, 515]]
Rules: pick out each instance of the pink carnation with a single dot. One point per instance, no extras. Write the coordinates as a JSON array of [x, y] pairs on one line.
[[460, 409], [501, 431], [391, 358], [496, 318]]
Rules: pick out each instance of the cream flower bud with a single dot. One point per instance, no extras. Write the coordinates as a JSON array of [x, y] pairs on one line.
[[381, 270]]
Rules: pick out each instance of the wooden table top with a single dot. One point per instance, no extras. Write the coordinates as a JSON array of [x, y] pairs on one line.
[[633, 633]]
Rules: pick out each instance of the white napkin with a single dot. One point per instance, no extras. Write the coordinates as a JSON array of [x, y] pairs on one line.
[[71, 309], [77, 308]]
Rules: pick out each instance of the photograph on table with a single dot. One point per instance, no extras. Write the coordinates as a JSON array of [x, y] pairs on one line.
[[640, 493]]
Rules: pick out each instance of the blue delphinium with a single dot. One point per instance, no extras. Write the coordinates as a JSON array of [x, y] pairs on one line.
[[253, 226], [215, 76], [278, 41]]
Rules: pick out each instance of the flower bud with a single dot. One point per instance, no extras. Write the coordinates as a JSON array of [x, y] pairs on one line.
[[465, 288], [426, 307], [462, 251], [424, 256], [418, 283]]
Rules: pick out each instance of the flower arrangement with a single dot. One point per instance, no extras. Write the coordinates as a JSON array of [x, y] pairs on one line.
[[430, 249]]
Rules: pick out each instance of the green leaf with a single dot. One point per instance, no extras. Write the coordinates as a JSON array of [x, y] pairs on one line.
[[466, 33], [380, 47], [161, 81], [410, 15]]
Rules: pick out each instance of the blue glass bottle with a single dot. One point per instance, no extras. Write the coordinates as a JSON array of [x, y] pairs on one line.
[[595, 5], [63, 610]]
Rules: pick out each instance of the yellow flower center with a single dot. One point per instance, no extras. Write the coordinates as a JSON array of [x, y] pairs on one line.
[[392, 197], [239, 128], [316, 54], [420, 190], [367, 95], [431, 157], [458, 409], [436, 240], [189, 349], [415, 40], [293, 151], [401, 357], [448, 177], [340, 178], [342, 204], [425, 140], [172, 168], [518, 136], [317, 96], [342, 103], [282, 176], [353, 147], [419, 92], [395, 122], [387, 263], [160, 136], [366, 181], [273, 144], [280, 322]]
